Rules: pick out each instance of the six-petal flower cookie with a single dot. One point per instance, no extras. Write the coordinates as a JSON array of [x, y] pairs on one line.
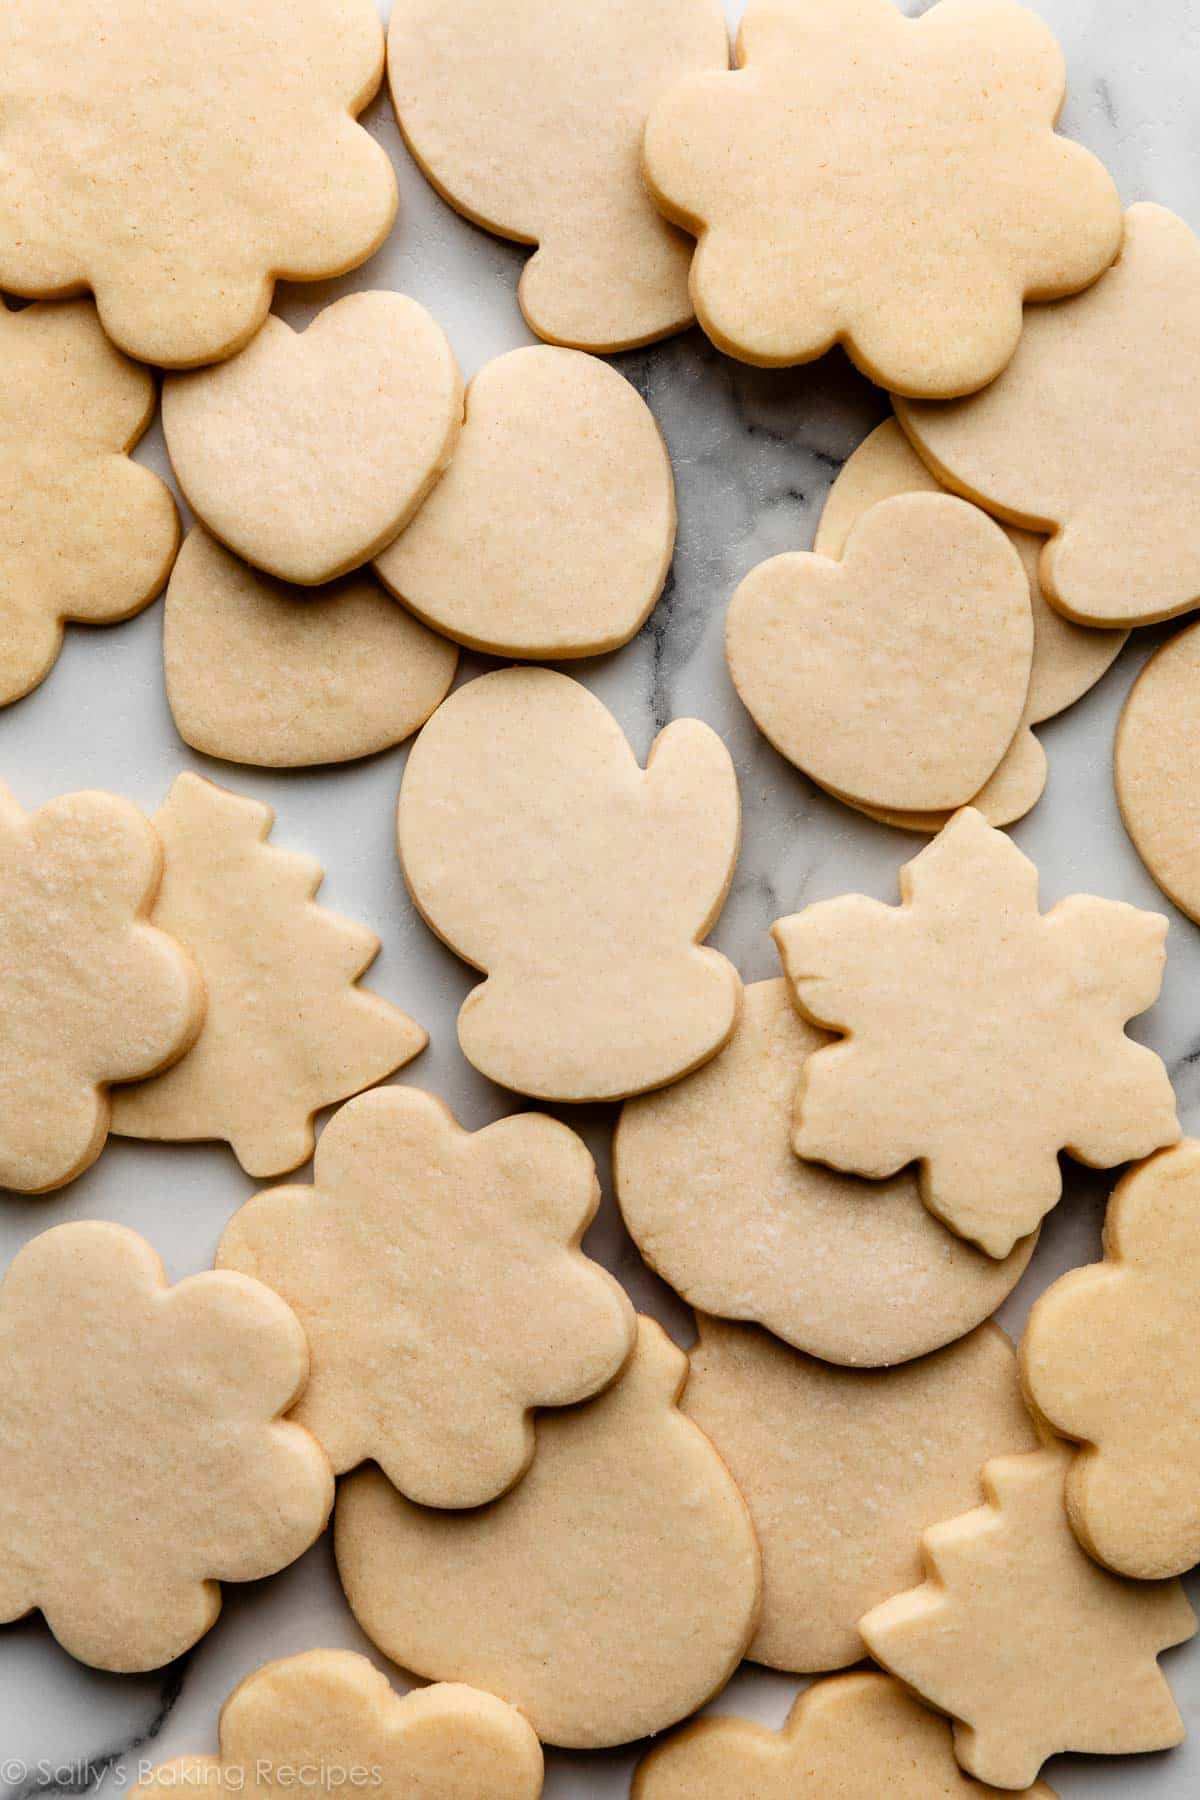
[[894, 184], [981, 1035]]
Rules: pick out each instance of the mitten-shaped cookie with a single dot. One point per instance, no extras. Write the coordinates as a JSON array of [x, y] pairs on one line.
[[612, 1592], [85, 533], [331, 1711], [147, 1456], [536, 847], [288, 1030], [1109, 1358], [90, 992], [1027, 1643], [936, 195], [438, 1276], [981, 1036]]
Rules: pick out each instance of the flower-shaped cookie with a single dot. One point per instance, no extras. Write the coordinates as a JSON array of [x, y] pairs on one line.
[[1027, 1643], [438, 1275], [1109, 1358], [981, 1036], [90, 993], [147, 1459], [333, 1712], [180, 160], [893, 184], [85, 533]]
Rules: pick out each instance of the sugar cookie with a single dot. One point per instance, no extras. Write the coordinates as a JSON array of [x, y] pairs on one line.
[[438, 1276], [897, 675], [523, 815], [552, 531], [936, 195], [529, 121], [331, 1710], [308, 451], [90, 993], [611, 1593], [981, 1036], [147, 1459], [1109, 1359], [855, 1737], [1028, 1644], [259, 671], [288, 1030], [721, 1207], [1068, 659], [842, 1469], [1156, 757], [1089, 434], [178, 163], [84, 532]]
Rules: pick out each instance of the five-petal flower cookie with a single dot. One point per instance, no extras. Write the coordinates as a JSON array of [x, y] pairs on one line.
[[333, 1713], [856, 1737], [981, 1035], [1109, 1358], [181, 159], [438, 1275], [1028, 1644], [147, 1459], [528, 119], [1090, 433], [85, 533], [611, 1593], [536, 847], [893, 184], [90, 992], [288, 1030]]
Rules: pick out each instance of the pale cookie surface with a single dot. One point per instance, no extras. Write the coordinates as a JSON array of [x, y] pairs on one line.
[[855, 1737], [1156, 765], [148, 1458], [897, 675], [842, 1470], [308, 451], [611, 1593], [551, 533], [330, 1710], [720, 1205], [523, 815], [1109, 1359], [90, 992], [981, 1036], [438, 1276], [182, 159], [288, 1030], [1026, 1643], [529, 120], [85, 533], [1068, 659], [259, 671], [937, 196], [1089, 434]]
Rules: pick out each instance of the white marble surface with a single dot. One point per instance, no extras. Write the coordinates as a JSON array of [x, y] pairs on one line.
[[754, 454]]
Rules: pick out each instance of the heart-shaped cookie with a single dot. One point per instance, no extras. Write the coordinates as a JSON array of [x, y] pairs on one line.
[[309, 451], [896, 677]]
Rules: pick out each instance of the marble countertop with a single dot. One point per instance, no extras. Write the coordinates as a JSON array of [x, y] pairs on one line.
[[754, 453]]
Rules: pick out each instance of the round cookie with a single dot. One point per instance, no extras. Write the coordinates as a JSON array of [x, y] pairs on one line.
[[1156, 762]]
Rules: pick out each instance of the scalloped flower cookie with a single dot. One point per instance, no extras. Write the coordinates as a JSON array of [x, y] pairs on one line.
[[438, 1275], [980, 1036], [333, 1711], [1109, 1359], [181, 160], [90, 992], [147, 1456], [936, 195]]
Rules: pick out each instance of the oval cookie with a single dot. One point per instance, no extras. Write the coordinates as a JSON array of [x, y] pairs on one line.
[[1156, 763]]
